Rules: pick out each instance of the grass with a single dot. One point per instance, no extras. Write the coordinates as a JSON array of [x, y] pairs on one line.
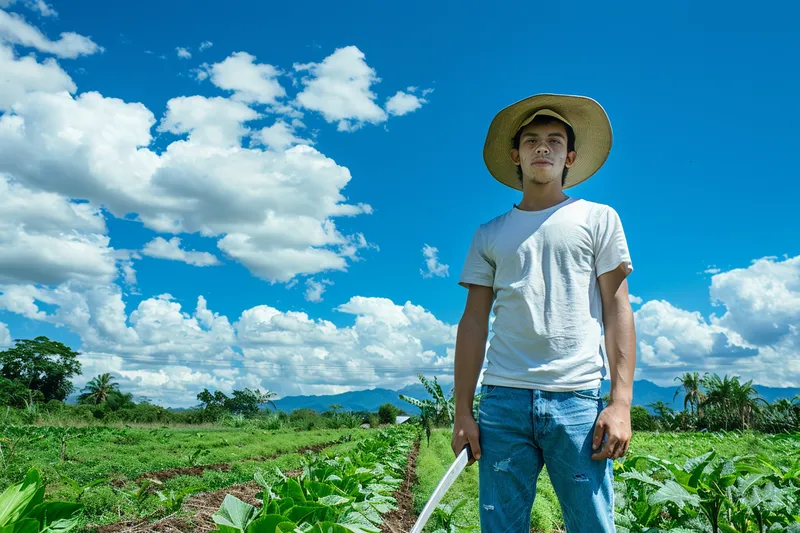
[[433, 461], [125, 454], [128, 453]]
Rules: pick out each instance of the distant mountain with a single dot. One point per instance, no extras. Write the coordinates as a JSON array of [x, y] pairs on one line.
[[644, 393], [363, 400]]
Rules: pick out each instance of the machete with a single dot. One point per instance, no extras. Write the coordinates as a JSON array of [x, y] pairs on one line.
[[444, 484]]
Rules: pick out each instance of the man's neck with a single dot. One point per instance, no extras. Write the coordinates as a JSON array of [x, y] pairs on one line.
[[538, 197]]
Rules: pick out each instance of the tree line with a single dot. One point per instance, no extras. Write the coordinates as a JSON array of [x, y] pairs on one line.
[[35, 376]]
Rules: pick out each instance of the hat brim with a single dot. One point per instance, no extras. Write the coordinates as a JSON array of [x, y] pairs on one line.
[[593, 136]]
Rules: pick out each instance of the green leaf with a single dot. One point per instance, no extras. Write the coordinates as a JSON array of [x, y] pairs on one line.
[[18, 499], [286, 527], [674, 493], [307, 512], [235, 513], [334, 499], [267, 523], [26, 525], [294, 490], [58, 516], [725, 528]]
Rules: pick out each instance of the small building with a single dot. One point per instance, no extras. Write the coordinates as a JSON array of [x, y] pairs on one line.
[[401, 419]]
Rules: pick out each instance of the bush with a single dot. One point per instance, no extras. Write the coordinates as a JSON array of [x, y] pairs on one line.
[[387, 413], [641, 420]]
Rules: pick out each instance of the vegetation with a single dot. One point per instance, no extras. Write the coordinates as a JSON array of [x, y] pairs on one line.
[[686, 483], [348, 493]]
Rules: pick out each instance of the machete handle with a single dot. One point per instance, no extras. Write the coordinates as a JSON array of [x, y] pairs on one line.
[[470, 457]]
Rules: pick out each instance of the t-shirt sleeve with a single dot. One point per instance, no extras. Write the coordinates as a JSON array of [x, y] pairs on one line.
[[610, 244], [479, 268]]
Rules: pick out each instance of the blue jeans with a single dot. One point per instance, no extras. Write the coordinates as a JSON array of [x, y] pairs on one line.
[[521, 431]]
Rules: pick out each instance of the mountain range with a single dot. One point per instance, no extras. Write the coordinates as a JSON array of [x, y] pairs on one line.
[[644, 393]]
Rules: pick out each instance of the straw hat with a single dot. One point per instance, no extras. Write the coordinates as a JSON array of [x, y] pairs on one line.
[[588, 120]]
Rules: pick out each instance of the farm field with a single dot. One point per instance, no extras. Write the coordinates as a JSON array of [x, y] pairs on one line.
[[116, 473], [770, 486]]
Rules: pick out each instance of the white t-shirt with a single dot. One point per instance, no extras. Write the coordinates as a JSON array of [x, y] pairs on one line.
[[543, 266]]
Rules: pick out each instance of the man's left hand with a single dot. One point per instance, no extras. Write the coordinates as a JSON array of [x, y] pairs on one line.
[[614, 421]]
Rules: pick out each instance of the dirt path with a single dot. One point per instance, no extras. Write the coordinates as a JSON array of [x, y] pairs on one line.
[[402, 519]]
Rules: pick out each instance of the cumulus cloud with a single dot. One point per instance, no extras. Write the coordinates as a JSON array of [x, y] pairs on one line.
[[634, 299], [757, 333], [315, 289], [183, 53], [250, 82], [97, 148], [5, 336], [171, 249], [205, 45], [762, 301], [402, 103], [432, 265], [15, 30], [279, 136], [340, 88]]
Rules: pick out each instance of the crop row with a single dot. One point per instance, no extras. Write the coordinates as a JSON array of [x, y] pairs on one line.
[[349, 493]]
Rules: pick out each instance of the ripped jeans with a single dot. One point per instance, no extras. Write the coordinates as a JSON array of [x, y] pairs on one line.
[[521, 431]]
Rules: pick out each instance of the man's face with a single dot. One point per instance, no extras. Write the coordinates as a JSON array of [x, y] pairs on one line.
[[542, 153]]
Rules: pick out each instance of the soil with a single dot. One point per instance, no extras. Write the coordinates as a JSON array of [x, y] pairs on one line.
[[201, 507], [402, 519], [163, 475]]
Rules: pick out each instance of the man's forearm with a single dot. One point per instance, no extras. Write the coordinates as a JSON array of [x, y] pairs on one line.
[[470, 352], [621, 349]]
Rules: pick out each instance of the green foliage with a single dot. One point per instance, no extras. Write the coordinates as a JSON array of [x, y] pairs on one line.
[[24, 510], [641, 419], [348, 493], [387, 413], [41, 365]]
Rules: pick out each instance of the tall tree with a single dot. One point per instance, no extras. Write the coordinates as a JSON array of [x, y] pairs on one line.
[[263, 398], [693, 395], [732, 398], [99, 389], [41, 365]]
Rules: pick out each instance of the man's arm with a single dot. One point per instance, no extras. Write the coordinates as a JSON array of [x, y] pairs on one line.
[[473, 330], [620, 340]]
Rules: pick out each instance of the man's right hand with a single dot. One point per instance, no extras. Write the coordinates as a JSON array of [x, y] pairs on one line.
[[465, 430]]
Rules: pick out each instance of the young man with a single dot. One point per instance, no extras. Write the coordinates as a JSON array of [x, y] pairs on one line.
[[555, 269]]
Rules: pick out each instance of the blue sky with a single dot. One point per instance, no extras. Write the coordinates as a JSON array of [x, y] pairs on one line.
[[701, 101]]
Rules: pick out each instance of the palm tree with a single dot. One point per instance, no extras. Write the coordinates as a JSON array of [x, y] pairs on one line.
[[662, 410], [693, 397], [733, 398], [264, 397], [99, 389]]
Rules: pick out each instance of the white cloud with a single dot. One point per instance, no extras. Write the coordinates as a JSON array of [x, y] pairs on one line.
[[216, 121], [432, 265], [340, 88], [757, 333], [39, 6], [634, 299], [161, 248], [5, 336], [96, 148], [205, 45], [15, 30], [402, 103], [315, 289], [24, 74], [183, 53], [762, 301], [279, 136], [44, 238], [250, 82]]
